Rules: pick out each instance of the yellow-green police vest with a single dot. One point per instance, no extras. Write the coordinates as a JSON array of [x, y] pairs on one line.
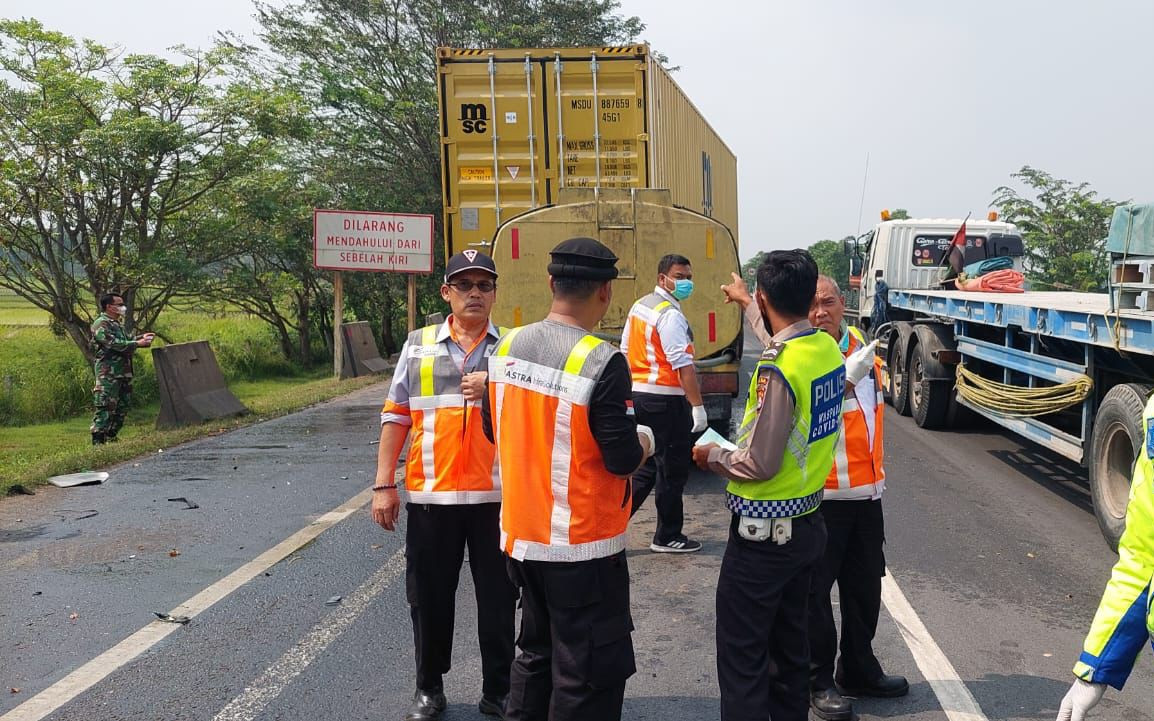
[[811, 365]]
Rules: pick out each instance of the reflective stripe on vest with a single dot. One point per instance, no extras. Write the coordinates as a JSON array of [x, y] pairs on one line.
[[811, 365], [648, 366], [450, 460], [857, 471], [559, 502]]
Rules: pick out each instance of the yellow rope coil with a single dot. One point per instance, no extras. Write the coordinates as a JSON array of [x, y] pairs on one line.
[[1019, 402]]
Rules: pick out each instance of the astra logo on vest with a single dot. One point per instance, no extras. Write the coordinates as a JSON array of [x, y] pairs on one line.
[[825, 397]]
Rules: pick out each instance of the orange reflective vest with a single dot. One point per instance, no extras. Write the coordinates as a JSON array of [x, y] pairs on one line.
[[558, 501], [450, 461], [857, 471], [651, 370]]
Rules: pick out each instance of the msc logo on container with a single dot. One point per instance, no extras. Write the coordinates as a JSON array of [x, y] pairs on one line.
[[474, 117]]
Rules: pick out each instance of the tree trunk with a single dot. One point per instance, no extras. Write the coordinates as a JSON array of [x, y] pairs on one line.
[[304, 348]]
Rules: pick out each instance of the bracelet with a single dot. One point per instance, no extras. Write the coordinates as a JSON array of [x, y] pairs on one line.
[[385, 487]]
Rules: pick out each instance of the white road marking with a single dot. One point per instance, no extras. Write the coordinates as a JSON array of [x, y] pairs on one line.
[[94, 671], [276, 678], [953, 696]]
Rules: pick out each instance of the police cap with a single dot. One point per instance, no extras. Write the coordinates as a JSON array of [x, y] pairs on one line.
[[583, 258]]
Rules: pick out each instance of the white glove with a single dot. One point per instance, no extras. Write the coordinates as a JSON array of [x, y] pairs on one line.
[[648, 442], [859, 363], [1078, 701], [700, 419]]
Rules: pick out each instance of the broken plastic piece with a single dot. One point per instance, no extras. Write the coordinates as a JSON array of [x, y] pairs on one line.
[[88, 478], [169, 618], [333, 600], [188, 505]]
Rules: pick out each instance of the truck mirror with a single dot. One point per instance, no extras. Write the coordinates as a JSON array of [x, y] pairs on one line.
[[849, 246]]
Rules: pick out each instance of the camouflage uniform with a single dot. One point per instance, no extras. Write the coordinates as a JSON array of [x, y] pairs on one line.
[[113, 391]]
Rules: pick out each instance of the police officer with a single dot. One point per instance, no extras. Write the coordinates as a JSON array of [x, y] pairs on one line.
[[785, 451], [113, 349], [852, 512], [1121, 626], [452, 487], [658, 344], [557, 408]]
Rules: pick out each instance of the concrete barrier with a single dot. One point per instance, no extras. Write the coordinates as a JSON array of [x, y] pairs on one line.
[[361, 357], [192, 387]]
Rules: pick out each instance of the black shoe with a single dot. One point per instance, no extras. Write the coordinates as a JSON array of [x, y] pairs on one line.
[[881, 687], [493, 705], [426, 706], [830, 705], [98, 439], [677, 545]]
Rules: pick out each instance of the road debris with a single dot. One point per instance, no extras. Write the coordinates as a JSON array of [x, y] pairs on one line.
[[73, 616], [174, 553], [334, 600], [14, 689], [188, 505], [169, 618], [71, 480]]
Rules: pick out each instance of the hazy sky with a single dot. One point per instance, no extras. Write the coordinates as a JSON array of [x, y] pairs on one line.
[[947, 98]]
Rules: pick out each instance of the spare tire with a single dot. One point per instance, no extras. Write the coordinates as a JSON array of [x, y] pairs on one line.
[[1115, 444]]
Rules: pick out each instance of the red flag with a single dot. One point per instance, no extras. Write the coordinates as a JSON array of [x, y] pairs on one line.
[[958, 249]]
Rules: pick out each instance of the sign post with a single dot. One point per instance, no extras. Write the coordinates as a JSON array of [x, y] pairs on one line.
[[338, 318], [375, 242]]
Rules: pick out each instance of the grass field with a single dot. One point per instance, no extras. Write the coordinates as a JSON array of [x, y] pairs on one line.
[[46, 391], [15, 311], [30, 454]]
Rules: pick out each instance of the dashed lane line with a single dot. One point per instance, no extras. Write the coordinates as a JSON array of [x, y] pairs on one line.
[[953, 696], [91, 673], [270, 684]]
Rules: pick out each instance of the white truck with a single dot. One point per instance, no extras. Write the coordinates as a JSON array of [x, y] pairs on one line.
[[1068, 370]]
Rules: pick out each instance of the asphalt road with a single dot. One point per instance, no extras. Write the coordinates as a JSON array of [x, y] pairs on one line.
[[991, 541]]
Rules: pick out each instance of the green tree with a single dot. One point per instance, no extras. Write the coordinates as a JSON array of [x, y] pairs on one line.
[[105, 162], [368, 71], [831, 261], [749, 269], [1064, 227], [899, 214]]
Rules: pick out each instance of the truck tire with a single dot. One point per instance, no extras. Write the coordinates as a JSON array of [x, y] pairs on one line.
[[1114, 446], [929, 399], [898, 366]]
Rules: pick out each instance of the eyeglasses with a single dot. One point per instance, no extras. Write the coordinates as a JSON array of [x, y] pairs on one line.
[[464, 286]]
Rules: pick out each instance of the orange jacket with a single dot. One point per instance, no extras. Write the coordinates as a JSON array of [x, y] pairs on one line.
[[857, 471], [559, 502]]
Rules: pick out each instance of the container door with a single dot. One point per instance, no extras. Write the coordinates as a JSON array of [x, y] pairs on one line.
[[598, 117], [493, 128]]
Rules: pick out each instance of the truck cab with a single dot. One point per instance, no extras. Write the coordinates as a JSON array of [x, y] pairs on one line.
[[911, 254]]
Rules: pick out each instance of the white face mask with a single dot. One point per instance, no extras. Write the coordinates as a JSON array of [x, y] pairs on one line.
[[121, 309]]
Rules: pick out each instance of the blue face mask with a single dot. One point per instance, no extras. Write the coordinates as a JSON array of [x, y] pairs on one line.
[[682, 289]]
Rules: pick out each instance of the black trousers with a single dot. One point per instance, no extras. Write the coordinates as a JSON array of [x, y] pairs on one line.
[[576, 651], [667, 470], [436, 537], [854, 558], [762, 639]]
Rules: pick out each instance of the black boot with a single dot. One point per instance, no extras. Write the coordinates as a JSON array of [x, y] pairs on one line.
[[98, 438], [830, 705], [426, 706]]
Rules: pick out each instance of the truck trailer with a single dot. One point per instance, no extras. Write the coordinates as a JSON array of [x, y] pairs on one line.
[[1070, 371], [539, 145]]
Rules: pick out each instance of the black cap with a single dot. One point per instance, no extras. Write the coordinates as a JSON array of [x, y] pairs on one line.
[[583, 258], [469, 260]]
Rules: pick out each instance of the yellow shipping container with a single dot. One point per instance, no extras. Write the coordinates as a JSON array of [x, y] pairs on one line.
[[519, 125]]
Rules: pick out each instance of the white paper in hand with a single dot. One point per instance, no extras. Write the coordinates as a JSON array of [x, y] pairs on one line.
[[712, 436]]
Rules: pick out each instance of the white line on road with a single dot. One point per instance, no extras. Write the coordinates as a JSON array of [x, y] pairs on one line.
[[269, 685], [94, 671], [955, 699]]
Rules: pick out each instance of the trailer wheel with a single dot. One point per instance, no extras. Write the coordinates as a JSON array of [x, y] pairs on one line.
[[929, 399], [1114, 446], [898, 372]]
